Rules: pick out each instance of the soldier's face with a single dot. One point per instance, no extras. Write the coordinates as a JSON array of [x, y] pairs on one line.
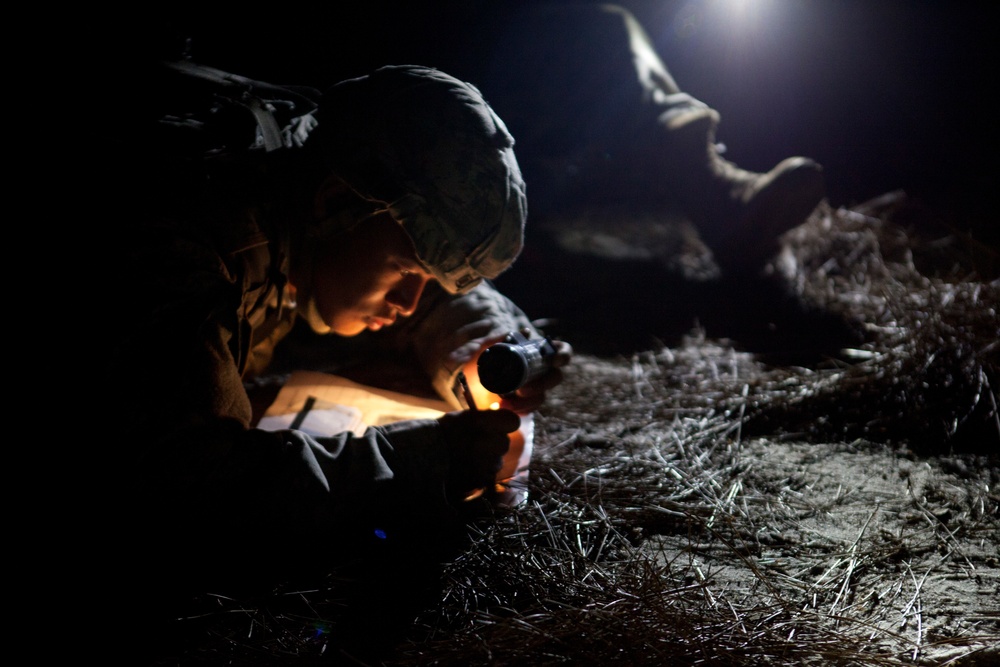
[[367, 278]]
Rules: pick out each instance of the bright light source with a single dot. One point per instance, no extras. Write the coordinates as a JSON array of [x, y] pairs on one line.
[[738, 6], [724, 19], [744, 14]]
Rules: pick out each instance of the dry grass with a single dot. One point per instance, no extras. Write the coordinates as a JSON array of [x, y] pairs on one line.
[[692, 505]]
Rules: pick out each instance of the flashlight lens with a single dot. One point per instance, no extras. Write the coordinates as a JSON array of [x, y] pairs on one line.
[[503, 368]]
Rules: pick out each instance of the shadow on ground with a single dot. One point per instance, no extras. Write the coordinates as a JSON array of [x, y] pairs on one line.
[[608, 306]]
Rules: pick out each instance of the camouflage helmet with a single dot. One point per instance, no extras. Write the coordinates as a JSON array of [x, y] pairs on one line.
[[430, 150]]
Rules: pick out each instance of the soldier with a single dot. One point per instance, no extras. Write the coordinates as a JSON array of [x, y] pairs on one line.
[[603, 126], [377, 211]]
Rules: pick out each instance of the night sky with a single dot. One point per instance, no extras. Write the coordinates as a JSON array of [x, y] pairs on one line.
[[885, 94]]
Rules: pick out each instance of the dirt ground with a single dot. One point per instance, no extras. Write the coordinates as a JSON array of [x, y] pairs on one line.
[[875, 554], [907, 543], [844, 500]]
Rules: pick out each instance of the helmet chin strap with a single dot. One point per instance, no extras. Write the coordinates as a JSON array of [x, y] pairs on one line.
[[312, 317]]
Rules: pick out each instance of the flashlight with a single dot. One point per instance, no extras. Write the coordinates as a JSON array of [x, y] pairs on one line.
[[507, 366]]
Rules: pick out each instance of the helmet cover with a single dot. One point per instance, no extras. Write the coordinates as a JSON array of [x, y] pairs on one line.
[[430, 150]]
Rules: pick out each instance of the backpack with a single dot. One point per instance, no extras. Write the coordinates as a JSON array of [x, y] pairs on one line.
[[173, 115], [199, 112]]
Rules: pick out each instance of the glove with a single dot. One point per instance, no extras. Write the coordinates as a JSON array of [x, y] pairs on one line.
[[476, 441]]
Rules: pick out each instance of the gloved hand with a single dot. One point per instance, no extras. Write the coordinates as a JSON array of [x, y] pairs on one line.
[[476, 441], [532, 394]]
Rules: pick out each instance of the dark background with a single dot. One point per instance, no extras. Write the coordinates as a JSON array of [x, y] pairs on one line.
[[885, 94]]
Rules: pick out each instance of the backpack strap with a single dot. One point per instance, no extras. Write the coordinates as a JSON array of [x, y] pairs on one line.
[[282, 115]]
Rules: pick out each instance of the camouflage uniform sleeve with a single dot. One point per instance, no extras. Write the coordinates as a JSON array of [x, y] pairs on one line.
[[448, 330], [290, 487]]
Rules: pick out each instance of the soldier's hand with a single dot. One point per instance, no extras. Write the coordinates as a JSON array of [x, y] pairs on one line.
[[477, 441], [532, 394]]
